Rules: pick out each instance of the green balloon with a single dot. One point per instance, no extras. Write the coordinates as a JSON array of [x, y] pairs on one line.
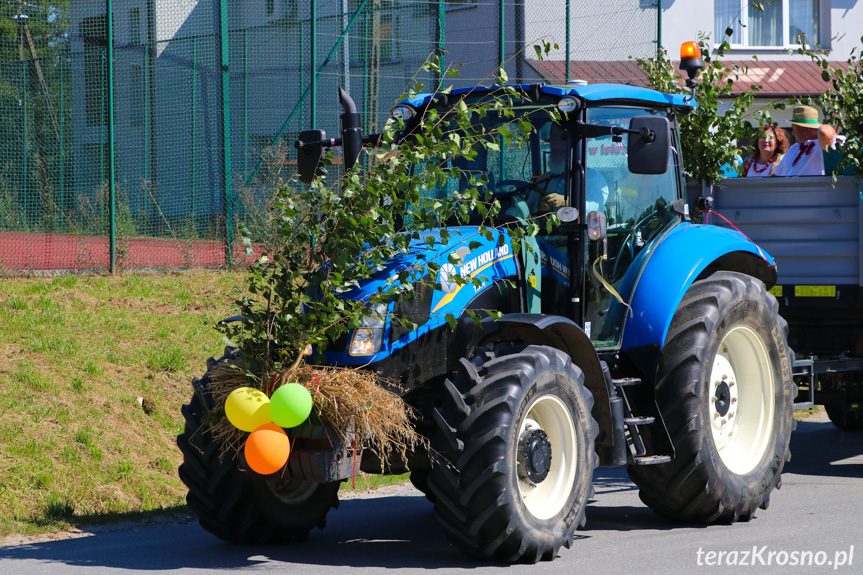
[[290, 405]]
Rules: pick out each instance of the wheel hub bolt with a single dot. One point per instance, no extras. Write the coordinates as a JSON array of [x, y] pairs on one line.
[[723, 400], [534, 455]]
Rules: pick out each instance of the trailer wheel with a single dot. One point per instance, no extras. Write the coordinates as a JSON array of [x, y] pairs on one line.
[[514, 455], [725, 391], [845, 417], [238, 505]]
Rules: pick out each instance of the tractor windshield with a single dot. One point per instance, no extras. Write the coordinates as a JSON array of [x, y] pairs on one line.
[[528, 177]]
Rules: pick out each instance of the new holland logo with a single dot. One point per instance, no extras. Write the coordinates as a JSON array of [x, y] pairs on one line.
[[447, 279]]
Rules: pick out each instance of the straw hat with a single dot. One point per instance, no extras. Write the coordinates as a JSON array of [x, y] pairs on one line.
[[805, 116]]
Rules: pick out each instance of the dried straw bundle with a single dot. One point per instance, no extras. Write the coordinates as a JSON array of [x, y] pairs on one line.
[[354, 402], [225, 378]]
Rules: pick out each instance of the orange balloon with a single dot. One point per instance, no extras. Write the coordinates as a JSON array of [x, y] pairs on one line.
[[267, 449]]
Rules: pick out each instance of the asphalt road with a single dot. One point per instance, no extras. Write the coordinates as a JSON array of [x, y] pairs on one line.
[[815, 518]]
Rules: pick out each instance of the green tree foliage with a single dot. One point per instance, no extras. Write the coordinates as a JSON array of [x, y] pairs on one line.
[[711, 132], [842, 104], [333, 235]]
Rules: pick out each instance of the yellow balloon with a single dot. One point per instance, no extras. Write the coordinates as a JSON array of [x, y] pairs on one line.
[[247, 408]]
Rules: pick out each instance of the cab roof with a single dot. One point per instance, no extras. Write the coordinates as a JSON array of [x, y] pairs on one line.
[[616, 93]]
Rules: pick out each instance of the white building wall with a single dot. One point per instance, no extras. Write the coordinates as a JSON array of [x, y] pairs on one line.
[[683, 19]]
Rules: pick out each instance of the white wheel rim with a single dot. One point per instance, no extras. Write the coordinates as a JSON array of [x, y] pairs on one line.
[[741, 400], [291, 492], [545, 499]]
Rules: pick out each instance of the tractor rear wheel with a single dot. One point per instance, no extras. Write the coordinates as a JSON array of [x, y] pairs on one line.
[[725, 391], [514, 454], [237, 504]]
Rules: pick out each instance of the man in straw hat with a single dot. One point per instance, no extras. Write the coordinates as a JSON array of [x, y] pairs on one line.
[[805, 158]]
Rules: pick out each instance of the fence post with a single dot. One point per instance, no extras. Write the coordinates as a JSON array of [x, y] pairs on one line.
[[313, 98], [25, 183], [65, 203], [109, 88], [441, 41], [568, 24], [658, 28], [226, 132], [502, 34]]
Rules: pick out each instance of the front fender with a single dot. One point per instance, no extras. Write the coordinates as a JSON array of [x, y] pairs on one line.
[[679, 258]]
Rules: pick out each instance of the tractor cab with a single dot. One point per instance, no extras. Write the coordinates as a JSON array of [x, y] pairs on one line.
[[605, 163]]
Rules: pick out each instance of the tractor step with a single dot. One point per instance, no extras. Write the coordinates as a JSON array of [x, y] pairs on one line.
[[626, 381], [639, 420], [651, 459]]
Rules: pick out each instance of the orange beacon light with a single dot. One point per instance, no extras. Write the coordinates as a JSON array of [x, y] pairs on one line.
[[690, 61], [690, 51]]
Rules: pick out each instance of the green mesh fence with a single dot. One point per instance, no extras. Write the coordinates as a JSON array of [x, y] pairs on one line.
[[208, 96]]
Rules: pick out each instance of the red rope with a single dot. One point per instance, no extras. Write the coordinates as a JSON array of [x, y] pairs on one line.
[[271, 384], [727, 221], [318, 388]]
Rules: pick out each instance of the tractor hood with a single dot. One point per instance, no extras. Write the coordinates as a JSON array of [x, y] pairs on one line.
[[487, 257]]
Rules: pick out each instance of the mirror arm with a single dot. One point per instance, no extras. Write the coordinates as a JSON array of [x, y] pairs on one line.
[[328, 143], [597, 130], [333, 142]]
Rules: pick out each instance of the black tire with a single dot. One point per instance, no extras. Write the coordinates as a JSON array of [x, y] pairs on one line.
[[420, 479], [845, 417], [485, 502], [236, 504], [723, 470]]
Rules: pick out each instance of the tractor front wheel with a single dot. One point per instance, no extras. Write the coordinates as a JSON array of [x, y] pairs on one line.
[[514, 454], [237, 504]]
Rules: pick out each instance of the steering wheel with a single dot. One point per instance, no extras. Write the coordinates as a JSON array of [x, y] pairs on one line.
[[644, 224]]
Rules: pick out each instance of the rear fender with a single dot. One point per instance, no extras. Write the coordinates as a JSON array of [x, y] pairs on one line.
[[687, 253]]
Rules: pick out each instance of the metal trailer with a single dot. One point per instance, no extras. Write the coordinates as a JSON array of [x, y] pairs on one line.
[[814, 229]]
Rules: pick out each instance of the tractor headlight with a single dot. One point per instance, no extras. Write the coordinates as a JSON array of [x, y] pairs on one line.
[[567, 104], [367, 339], [403, 112]]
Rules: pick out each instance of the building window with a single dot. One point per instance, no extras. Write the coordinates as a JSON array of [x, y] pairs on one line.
[[94, 33], [389, 48], [381, 31], [135, 26], [458, 4], [136, 99], [271, 8], [778, 26]]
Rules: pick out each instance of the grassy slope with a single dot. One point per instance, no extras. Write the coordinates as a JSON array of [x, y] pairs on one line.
[[76, 353]]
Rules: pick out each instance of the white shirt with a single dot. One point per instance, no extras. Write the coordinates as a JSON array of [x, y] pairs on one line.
[[803, 159], [763, 173]]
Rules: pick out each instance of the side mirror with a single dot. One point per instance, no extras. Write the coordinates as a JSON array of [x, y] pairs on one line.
[[649, 145], [310, 151]]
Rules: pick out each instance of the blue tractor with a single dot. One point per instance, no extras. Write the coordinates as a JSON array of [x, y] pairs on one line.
[[629, 336]]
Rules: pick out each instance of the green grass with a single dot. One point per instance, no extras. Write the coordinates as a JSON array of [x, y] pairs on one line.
[[366, 481], [76, 353]]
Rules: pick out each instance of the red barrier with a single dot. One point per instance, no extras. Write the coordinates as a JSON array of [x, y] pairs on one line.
[[40, 251]]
